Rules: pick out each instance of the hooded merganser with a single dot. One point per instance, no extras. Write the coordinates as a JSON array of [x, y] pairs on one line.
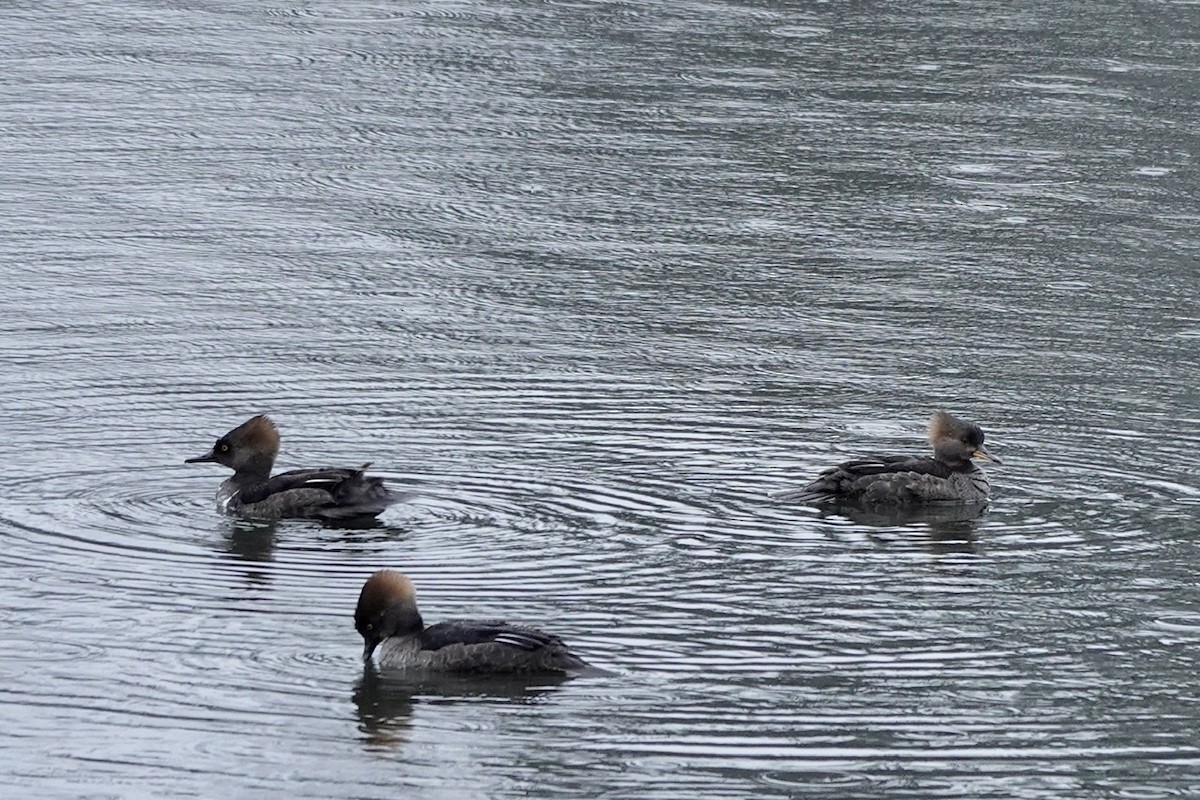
[[387, 615], [949, 476], [327, 493]]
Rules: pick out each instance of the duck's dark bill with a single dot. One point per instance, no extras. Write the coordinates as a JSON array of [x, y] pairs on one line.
[[209, 456]]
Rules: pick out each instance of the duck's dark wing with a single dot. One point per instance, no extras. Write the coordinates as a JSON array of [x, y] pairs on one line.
[[443, 634], [331, 492], [469, 646], [325, 479], [880, 475]]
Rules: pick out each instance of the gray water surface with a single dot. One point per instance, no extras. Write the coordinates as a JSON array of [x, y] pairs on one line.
[[596, 279]]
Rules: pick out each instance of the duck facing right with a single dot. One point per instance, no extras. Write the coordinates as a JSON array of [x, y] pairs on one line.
[[948, 476]]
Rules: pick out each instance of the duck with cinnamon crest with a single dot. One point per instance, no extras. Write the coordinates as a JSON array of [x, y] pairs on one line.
[[332, 494], [392, 629], [948, 476]]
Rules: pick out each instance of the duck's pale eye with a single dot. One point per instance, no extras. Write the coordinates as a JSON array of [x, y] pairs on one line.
[[370, 626], [224, 448]]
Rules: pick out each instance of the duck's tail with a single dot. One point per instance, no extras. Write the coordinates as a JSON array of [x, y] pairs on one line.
[[361, 496], [807, 495]]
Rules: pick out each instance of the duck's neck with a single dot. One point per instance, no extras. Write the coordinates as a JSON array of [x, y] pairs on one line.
[[254, 470], [406, 621]]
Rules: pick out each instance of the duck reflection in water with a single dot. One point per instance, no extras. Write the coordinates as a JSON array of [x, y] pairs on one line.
[[249, 547], [948, 528], [386, 700], [249, 541]]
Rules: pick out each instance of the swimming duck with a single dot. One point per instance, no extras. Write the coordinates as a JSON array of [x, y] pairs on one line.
[[388, 619], [326, 493], [949, 476]]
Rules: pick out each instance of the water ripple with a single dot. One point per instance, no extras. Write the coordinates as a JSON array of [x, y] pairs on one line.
[[595, 281]]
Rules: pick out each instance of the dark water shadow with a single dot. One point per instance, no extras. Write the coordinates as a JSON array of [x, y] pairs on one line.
[[946, 528], [250, 547], [250, 541], [364, 523], [385, 700], [248, 544]]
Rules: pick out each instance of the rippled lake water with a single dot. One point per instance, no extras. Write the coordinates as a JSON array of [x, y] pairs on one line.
[[595, 280]]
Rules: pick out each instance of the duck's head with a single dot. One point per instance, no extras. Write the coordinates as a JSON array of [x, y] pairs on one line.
[[956, 441], [387, 606], [250, 447]]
